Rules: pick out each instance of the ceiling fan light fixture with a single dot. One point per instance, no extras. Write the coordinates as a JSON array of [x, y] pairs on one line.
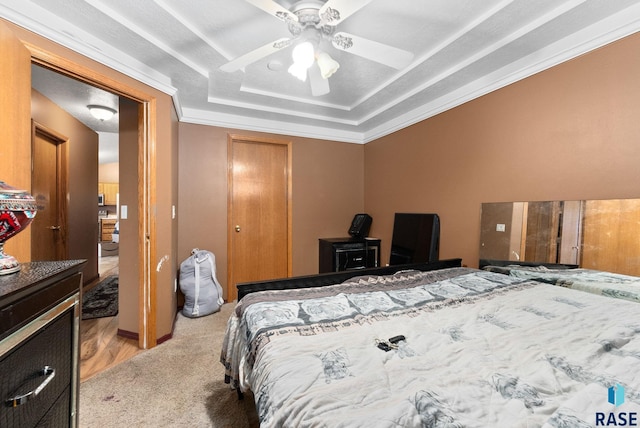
[[298, 71], [101, 112], [327, 65], [303, 54]]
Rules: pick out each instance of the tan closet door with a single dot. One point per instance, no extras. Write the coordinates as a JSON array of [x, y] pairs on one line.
[[48, 187], [259, 211]]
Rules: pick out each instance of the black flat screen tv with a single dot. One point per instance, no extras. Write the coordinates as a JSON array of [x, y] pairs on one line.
[[416, 238]]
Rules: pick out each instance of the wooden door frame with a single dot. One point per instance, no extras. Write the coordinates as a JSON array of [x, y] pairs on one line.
[[231, 139], [62, 149], [147, 277]]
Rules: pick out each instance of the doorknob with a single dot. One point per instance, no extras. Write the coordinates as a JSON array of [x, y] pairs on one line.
[[54, 227], [237, 228]]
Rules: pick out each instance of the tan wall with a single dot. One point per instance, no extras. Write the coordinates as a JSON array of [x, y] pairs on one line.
[[128, 297], [328, 190], [571, 132], [328, 185], [167, 229], [164, 264], [109, 172], [82, 177]]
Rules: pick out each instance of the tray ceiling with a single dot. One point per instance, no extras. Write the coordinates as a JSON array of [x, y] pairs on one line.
[[461, 49]]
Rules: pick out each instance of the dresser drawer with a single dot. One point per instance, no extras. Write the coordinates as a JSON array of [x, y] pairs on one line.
[[58, 415], [19, 313], [356, 259], [23, 368]]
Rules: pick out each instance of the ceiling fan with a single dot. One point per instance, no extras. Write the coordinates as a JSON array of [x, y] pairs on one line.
[[310, 22]]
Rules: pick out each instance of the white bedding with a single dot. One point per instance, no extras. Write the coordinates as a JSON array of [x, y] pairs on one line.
[[482, 350], [592, 281]]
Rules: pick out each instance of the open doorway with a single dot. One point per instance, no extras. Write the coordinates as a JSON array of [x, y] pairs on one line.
[[89, 171], [90, 180], [140, 241], [108, 205]]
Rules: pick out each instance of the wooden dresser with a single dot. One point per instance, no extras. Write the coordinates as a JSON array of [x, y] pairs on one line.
[[39, 345]]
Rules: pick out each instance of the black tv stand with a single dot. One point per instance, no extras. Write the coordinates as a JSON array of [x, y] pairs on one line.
[[340, 254]]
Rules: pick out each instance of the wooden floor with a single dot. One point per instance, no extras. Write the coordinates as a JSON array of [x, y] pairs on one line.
[[100, 345]]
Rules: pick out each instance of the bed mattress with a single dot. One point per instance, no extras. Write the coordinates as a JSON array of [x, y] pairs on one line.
[[481, 349]]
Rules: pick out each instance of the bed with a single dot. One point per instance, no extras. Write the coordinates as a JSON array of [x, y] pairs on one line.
[[433, 348]]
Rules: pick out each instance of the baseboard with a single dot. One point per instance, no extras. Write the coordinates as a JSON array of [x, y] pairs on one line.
[[128, 334], [164, 338], [87, 281], [135, 336]]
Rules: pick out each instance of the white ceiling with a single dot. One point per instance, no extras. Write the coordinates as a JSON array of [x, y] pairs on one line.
[[74, 97], [461, 49]]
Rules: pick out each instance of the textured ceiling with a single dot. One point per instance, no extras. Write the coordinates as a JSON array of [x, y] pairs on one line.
[[461, 49], [74, 97]]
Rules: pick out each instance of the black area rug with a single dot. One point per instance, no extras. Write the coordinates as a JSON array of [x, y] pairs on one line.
[[102, 300]]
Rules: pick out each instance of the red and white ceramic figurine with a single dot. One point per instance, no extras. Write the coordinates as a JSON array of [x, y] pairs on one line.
[[17, 210]]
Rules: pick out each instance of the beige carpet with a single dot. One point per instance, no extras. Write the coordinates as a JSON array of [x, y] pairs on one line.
[[179, 383]]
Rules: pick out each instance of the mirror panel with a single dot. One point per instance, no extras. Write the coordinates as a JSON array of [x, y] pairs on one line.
[[594, 234]]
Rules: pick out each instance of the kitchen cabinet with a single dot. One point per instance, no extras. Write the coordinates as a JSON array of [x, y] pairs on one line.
[[107, 226], [110, 192]]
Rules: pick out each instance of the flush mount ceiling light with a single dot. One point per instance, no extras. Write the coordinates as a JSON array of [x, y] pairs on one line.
[[101, 112]]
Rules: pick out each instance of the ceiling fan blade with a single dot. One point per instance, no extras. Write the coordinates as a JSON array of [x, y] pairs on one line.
[[255, 55], [335, 11], [319, 85], [273, 8], [375, 51]]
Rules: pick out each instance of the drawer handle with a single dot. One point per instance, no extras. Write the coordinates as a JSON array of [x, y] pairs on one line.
[[19, 400]]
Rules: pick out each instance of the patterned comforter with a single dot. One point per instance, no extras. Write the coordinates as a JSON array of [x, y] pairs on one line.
[[481, 349], [592, 281]]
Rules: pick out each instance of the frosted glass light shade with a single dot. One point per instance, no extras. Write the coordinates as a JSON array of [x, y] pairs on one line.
[[298, 71], [327, 65], [303, 54]]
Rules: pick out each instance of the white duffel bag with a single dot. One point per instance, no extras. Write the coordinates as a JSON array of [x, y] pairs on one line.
[[198, 282]]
